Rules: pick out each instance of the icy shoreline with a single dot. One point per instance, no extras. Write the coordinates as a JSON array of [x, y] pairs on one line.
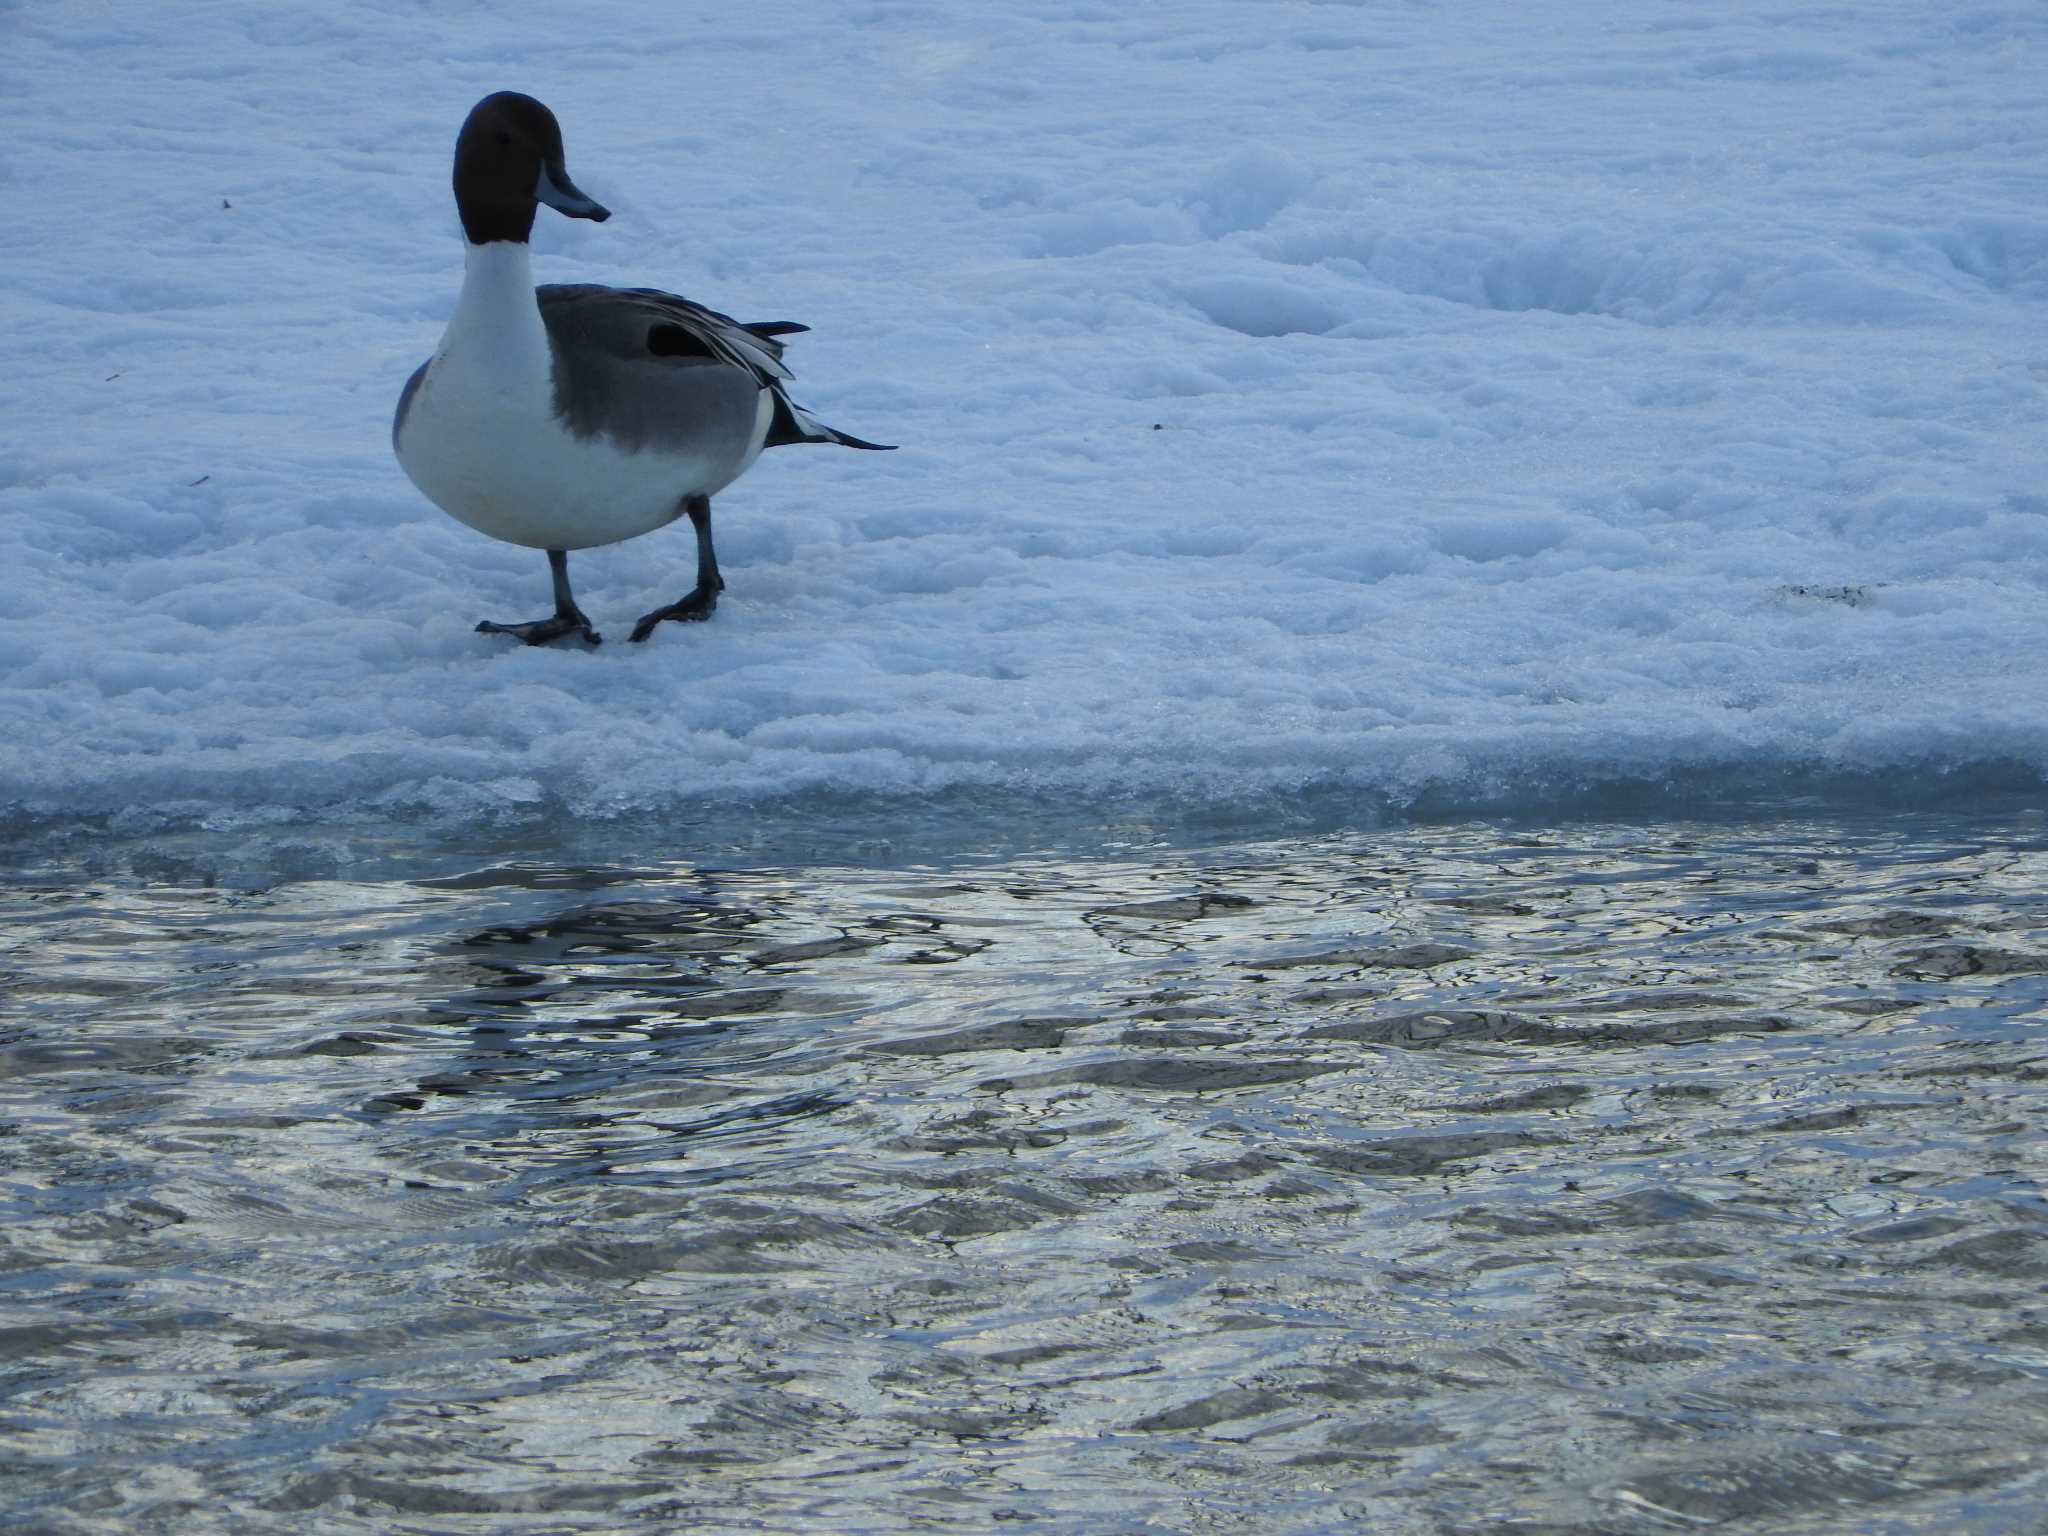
[[258, 846]]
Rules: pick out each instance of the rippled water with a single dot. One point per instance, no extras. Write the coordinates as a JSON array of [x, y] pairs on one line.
[[1627, 1178]]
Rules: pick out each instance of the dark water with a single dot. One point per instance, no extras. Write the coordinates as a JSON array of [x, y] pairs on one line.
[[1617, 1178]]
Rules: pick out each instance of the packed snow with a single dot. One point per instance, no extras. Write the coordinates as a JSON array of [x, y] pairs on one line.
[[1426, 405]]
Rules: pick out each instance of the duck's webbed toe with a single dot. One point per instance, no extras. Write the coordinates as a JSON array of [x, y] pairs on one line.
[[547, 631], [698, 606]]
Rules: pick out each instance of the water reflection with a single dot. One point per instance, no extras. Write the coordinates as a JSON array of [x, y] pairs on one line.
[[1674, 1176]]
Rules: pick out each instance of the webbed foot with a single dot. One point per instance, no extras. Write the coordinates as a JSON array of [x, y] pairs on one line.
[[546, 631], [694, 609], [568, 619], [703, 599]]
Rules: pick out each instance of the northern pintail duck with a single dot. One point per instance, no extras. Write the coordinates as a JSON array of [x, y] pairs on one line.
[[573, 415]]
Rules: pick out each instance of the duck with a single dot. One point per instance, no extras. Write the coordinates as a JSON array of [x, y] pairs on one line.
[[568, 416]]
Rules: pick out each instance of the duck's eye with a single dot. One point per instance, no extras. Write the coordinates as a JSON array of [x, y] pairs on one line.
[[504, 139]]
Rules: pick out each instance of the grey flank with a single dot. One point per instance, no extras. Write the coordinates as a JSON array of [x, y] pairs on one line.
[[412, 387], [650, 369], [625, 370]]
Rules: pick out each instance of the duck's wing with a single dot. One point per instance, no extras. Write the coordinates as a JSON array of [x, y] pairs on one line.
[[663, 330]]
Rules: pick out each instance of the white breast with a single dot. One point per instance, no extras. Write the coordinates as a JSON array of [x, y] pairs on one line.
[[482, 441]]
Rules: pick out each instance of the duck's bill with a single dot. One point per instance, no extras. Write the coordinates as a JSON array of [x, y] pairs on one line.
[[561, 194]]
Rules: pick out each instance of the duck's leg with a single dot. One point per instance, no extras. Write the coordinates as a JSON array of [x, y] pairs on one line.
[[703, 599], [568, 619]]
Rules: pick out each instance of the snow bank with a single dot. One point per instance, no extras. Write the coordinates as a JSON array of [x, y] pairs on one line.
[[1442, 408]]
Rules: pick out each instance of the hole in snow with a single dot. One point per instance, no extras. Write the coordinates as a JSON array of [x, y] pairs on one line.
[[1262, 307]]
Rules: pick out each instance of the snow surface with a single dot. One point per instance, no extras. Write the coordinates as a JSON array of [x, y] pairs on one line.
[[1422, 404]]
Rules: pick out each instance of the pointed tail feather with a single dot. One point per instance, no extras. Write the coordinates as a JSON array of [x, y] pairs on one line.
[[848, 440], [794, 424]]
